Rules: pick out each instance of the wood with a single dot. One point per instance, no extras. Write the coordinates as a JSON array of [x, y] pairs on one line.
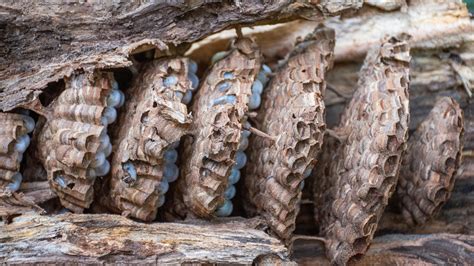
[[43, 42], [30, 197], [80, 238], [76, 238], [431, 24]]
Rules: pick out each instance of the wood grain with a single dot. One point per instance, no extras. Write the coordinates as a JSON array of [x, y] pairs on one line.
[[74, 238]]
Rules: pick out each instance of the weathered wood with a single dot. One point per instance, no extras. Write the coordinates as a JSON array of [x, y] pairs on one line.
[[44, 41], [30, 196], [77, 238], [433, 249], [431, 24]]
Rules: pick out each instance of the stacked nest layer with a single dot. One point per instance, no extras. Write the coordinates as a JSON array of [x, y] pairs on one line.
[[151, 126], [211, 154], [14, 140], [74, 141], [431, 161], [293, 113], [358, 170]]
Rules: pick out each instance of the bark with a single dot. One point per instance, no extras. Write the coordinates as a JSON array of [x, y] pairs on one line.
[[98, 239], [45, 41], [431, 24]]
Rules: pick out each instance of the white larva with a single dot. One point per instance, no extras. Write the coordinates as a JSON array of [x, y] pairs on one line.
[[240, 160], [234, 176], [255, 101], [22, 144], [170, 156]]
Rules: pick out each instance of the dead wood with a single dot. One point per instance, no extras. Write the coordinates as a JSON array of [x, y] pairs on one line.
[[30, 196], [43, 42], [431, 24], [97, 239]]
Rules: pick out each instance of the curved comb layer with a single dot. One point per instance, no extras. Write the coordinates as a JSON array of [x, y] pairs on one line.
[[220, 111], [14, 140], [155, 119], [76, 137], [430, 163], [292, 112], [357, 175]]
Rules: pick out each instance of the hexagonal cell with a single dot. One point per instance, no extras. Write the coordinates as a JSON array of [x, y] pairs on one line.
[[145, 153], [431, 162], [293, 113], [14, 140], [74, 141], [358, 170], [215, 153]]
